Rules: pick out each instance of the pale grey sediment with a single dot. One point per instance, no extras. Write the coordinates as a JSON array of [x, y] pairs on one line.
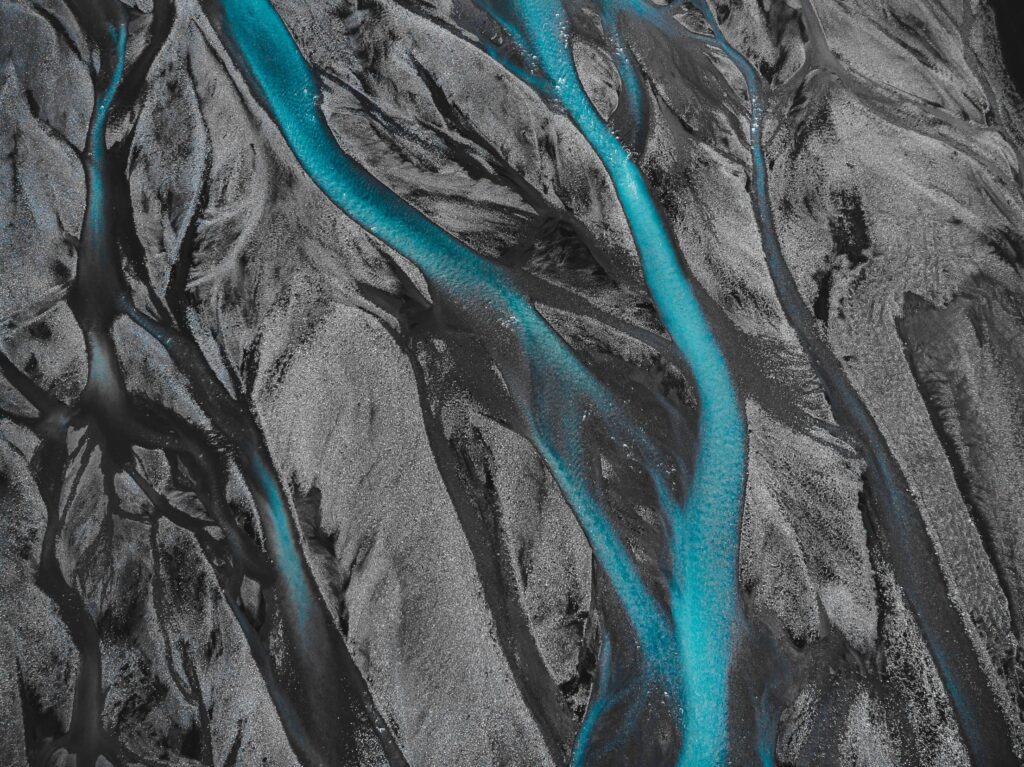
[[441, 552]]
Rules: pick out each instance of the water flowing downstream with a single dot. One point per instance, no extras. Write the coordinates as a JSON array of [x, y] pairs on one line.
[[705, 536], [401, 383]]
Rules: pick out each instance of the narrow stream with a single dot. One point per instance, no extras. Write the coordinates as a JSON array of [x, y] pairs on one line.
[[322, 700], [893, 512]]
